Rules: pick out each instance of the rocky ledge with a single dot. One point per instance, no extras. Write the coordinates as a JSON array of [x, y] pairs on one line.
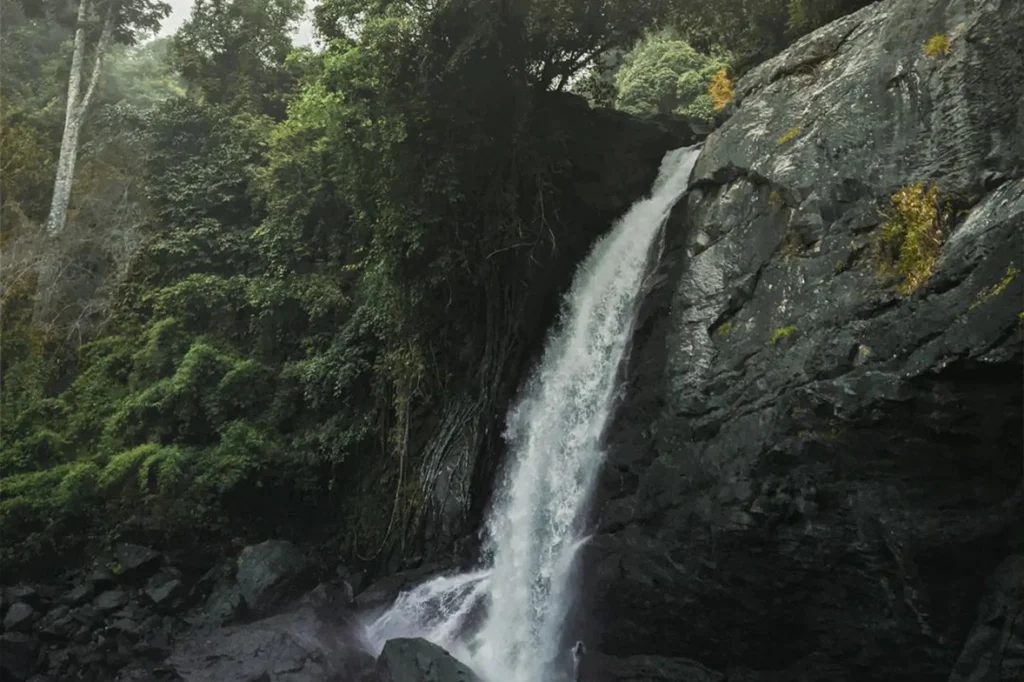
[[271, 614], [816, 473]]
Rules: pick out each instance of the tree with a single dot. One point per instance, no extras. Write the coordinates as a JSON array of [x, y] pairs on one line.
[[234, 52], [752, 30], [116, 20], [664, 75]]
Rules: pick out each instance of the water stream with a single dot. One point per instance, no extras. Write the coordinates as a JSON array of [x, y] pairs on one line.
[[506, 619]]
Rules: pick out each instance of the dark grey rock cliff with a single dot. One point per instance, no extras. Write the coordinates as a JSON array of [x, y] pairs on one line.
[[814, 476]]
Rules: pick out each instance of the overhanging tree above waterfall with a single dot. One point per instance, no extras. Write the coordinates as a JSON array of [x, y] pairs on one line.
[[98, 23]]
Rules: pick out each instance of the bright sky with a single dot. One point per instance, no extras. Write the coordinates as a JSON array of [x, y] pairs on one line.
[[180, 10]]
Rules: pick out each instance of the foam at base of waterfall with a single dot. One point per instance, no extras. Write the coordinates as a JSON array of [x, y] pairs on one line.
[[506, 620]]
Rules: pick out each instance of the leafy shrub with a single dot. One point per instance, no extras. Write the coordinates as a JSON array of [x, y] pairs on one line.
[[937, 46], [721, 89], [911, 237], [664, 75]]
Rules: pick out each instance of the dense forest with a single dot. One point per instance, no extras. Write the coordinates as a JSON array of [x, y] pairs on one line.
[[234, 270]]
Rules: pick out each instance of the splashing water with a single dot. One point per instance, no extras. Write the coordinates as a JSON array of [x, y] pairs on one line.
[[505, 621]]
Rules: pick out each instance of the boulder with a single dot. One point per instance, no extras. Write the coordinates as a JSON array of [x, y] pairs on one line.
[[136, 561], [30, 594], [111, 600], [165, 587], [58, 624], [78, 595], [417, 660], [225, 605], [19, 617], [292, 647], [804, 447], [101, 577], [329, 597], [270, 572]]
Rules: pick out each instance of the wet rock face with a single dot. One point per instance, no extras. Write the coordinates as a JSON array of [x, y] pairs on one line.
[[417, 660], [812, 473], [270, 572], [301, 646]]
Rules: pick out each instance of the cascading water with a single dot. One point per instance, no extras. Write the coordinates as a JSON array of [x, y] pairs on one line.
[[506, 620]]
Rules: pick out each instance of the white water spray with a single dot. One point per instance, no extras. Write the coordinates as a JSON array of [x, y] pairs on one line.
[[505, 621]]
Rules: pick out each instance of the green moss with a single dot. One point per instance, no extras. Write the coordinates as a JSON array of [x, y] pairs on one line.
[[788, 136], [781, 333], [937, 46], [911, 238], [775, 199], [997, 288], [724, 329]]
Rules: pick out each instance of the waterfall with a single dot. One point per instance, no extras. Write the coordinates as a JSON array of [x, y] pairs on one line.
[[505, 620]]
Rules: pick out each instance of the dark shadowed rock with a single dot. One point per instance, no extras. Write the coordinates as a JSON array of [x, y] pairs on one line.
[[17, 655], [19, 616], [995, 648], [58, 624], [25, 593], [384, 591], [813, 474], [224, 605], [111, 600], [141, 672], [599, 668], [270, 572], [417, 660], [135, 561], [165, 587], [293, 647], [78, 595], [101, 577], [329, 597]]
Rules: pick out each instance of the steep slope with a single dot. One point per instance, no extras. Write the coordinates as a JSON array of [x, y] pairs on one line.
[[817, 467]]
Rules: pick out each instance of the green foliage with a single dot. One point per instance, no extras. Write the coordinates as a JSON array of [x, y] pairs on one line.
[[752, 30], [911, 237], [937, 46], [234, 53], [998, 288], [720, 90], [664, 75]]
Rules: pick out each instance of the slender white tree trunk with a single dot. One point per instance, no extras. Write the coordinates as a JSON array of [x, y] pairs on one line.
[[77, 105]]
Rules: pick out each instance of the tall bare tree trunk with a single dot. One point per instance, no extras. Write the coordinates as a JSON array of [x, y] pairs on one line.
[[75, 114], [53, 259]]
